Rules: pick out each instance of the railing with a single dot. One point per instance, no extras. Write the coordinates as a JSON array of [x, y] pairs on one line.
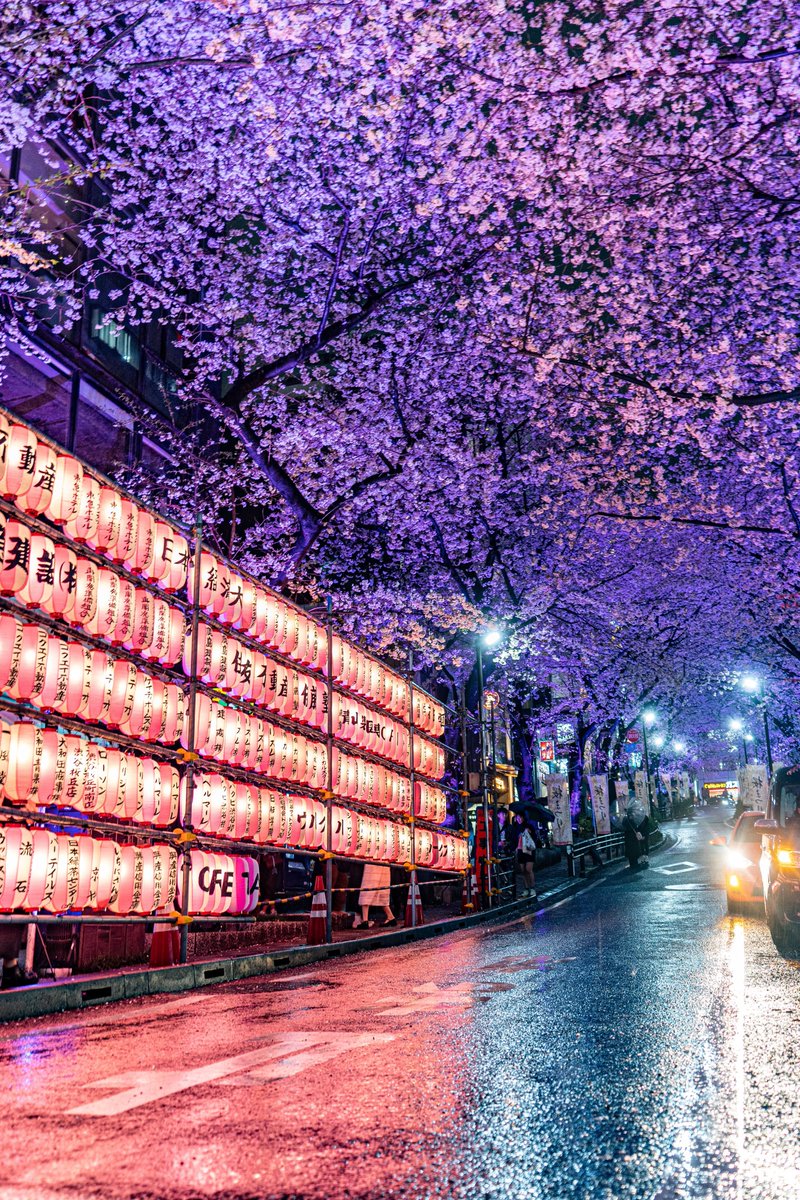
[[604, 848]]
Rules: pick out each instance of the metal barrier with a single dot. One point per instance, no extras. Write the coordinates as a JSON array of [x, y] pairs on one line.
[[604, 848]]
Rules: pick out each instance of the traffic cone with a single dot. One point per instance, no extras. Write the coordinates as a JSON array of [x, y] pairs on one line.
[[415, 900], [165, 946], [319, 914]]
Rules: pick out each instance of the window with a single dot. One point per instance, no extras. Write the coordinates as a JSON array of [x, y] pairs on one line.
[[102, 430], [38, 391]]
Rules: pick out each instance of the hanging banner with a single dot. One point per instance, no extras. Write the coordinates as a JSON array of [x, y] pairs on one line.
[[642, 791], [753, 787], [558, 801], [598, 790], [622, 793]]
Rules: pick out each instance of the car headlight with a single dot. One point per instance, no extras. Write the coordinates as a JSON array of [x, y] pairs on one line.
[[789, 858], [740, 861]]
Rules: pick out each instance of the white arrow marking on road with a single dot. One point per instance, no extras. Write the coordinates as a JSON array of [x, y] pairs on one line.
[[430, 996], [144, 1087]]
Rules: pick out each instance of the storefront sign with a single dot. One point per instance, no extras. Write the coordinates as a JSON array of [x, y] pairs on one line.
[[547, 751]]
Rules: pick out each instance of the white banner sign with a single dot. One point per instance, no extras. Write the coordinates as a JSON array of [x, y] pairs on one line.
[[642, 790], [623, 794], [558, 801], [753, 786], [598, 790]]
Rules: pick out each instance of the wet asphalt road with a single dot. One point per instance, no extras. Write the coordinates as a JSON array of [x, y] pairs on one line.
[[634, 1042]]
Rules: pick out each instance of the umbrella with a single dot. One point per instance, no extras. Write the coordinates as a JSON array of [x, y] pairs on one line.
[[529, 808]]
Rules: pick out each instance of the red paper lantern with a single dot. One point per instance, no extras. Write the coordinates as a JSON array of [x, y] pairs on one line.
[[39, 494], [170, 558], [124, 548], [67, 490], [31, 664], [37, 590], [140, 561], [83, 525], [44, 858], [16, 848], [85, 599], [20, 462], [73, 876], [16, 556], [109, 520], [106, 866], [61, 601]]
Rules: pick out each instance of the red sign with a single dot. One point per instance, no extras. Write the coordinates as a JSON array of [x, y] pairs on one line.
[[547, 751], [632, 735]]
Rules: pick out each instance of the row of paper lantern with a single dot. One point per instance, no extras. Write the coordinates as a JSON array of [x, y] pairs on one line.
[[50, 872], [239, 811], [225, 662], [70, 679], [243, 604], [42, 481], [54, 872], [41, 767], [46, 574]]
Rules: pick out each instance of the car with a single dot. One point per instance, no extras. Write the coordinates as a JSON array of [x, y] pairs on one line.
[[780, 861], [742, 863]]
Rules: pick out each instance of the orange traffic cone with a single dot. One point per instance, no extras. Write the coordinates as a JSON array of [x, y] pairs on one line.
[[165, 946], [319, 914], [413, 902]]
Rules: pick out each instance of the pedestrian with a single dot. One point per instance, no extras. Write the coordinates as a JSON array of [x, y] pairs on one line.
[[375, 893], [526, 857], [635, 830]]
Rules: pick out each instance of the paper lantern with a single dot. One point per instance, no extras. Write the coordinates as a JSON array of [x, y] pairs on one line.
[[170, 557], [10, 649], [67, 490], [140, 560], [61, 601], [423, 847], [20, 462], [158, 644], [36, 759], [66, 678], [125, 614], [124, 549], [85, 600], [43, 866], [166, 804], [246, 885], [95, 783], [143, 620], [16, 556], [31, 664], [122, 692], [16, 846], [239, 673], [258, 627], [106, 867], [109, 520], [209, 803], [37, 590], [73, 876], [209, 580], [103, 622], [83, 525], [129, 886], [39, 494], [247, 610]]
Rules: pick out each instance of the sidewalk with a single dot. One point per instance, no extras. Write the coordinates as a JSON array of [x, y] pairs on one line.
[[127, 983]]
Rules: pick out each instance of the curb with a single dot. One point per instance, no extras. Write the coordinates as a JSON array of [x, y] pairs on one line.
[[44, 999]]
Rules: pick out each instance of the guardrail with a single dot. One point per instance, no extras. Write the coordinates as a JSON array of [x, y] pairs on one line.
[[604, 848]]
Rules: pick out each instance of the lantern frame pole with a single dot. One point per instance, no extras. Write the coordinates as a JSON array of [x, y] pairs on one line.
[[484, 790], [412, 822], [329, 796], [186, 815]]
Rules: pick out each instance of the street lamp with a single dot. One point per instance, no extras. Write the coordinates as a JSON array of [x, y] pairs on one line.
[[753, 685], [658, 741], [678, 746], [736, 725], [649, 717]]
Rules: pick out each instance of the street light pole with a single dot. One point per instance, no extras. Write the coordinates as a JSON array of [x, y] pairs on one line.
[[647, 718], [484, 792], [752, 683]]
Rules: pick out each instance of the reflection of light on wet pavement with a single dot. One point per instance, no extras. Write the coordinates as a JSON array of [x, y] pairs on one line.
[[736, 960]]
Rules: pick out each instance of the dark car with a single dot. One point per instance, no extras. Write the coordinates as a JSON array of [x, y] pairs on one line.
[[780, 861]]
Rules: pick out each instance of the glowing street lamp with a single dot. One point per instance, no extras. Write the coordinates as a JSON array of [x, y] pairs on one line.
[[678, 746], [658, 741], [753, 685], [649, 717], [736, 725]]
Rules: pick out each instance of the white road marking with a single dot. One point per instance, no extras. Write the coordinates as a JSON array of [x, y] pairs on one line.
[[678, 868], [430, 997], [135, 1088]]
